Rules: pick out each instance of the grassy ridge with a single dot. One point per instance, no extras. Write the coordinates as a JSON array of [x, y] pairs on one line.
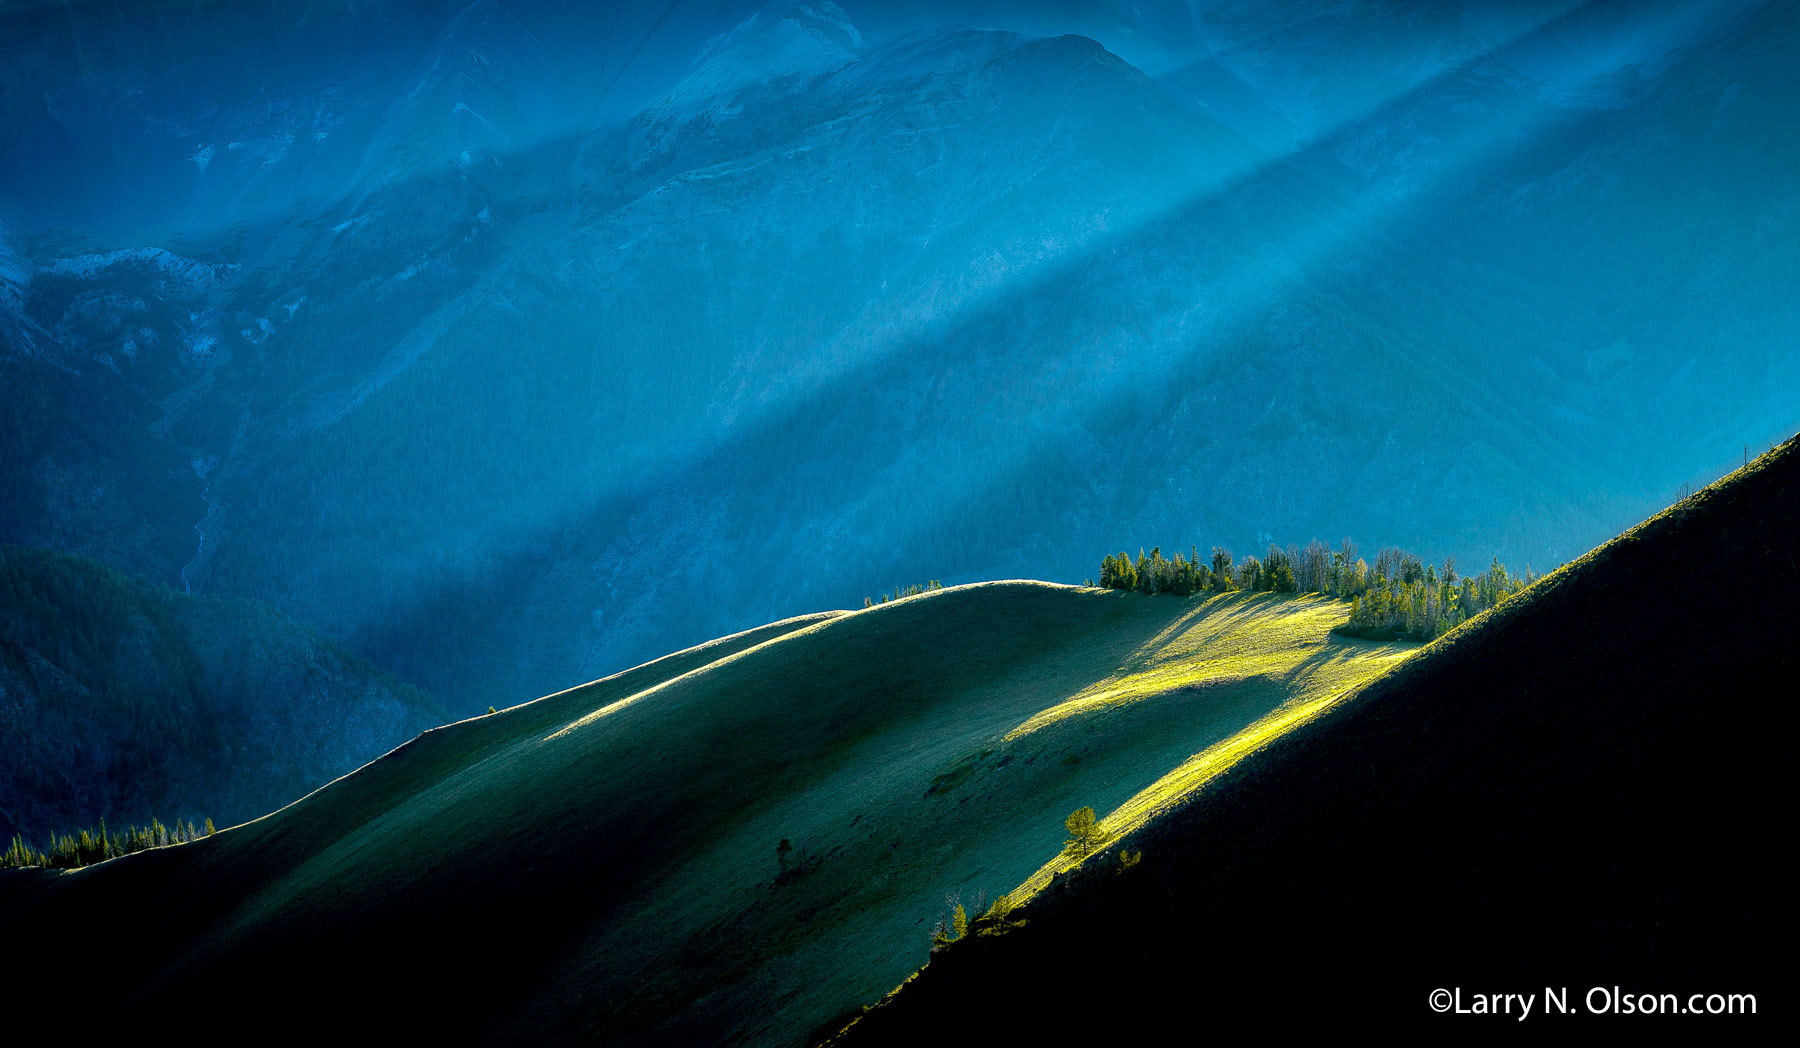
[[1584, 787], [603, 862]]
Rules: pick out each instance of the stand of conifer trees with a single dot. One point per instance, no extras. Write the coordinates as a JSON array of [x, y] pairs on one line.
[[1400, 597], [900, 591], [91, 846]]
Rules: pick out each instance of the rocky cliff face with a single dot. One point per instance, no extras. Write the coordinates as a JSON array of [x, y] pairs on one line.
[[123, 700]]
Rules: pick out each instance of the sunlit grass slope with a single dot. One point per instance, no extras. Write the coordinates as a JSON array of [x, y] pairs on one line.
[[1272, 650], [602, 862], [1588, 786]]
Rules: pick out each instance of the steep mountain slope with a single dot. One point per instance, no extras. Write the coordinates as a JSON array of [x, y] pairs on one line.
[[602, 863], [123, 700], [1585, 788], [557, 301]]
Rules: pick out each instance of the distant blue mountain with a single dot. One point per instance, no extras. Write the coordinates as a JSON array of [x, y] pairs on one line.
[[511, 343]]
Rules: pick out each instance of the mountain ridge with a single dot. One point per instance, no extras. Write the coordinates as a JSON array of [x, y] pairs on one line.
[[604, 861], [1592, 810], [784, 337]]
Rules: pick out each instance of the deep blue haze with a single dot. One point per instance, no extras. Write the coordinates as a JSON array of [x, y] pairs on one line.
[[512, 343]]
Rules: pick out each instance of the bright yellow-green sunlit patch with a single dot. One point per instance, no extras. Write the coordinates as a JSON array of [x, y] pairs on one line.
[[1224, 639], [924, 747], [1220, 641]]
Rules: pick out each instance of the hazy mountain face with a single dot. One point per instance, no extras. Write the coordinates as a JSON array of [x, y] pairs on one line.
[[126, 701], [511, 343]]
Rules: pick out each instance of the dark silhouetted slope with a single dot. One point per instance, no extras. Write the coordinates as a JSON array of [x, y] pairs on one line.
[[1590, 786]]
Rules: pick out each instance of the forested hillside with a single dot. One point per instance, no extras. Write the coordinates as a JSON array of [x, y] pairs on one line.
[[127, 701]]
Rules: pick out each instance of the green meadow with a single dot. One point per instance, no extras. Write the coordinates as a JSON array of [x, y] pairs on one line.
[[610, 852]]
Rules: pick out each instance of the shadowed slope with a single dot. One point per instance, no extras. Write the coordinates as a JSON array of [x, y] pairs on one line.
[[601, 863], [122, 700], [1585, 787]]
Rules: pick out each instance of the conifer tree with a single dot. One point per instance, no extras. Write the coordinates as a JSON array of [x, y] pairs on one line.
[[1221, 569], [1085, 834]]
